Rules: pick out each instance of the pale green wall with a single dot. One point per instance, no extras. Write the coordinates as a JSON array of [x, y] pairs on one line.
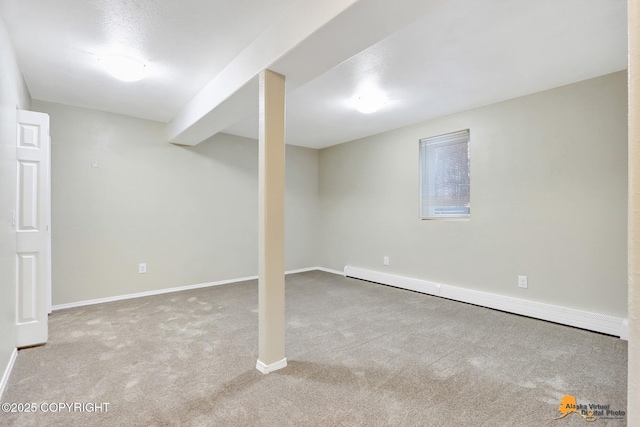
[[190, 213], [301, 207], [548, 200], [13, 93]]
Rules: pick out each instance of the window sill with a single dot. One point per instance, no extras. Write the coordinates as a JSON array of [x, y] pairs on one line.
[[457, 218]]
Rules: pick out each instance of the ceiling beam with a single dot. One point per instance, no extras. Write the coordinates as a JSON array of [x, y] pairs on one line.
[[298, 22], [310, 38]]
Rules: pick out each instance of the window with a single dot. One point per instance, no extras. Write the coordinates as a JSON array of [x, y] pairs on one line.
[[445, 176]]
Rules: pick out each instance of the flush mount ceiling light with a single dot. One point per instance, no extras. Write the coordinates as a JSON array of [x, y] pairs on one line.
[[369, 102], [124, 68]]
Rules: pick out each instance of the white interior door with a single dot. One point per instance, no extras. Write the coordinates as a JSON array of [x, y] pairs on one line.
[[33, 243]]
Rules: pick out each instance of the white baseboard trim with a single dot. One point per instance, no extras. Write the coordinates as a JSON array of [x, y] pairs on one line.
[[178, 289], [266, 369], [7, 371], [300, 270], [567, 316], [328, 270], [149, 293], [624, 333]]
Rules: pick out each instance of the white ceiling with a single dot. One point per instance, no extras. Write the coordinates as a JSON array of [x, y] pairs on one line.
[[438, 58], [184, 42]]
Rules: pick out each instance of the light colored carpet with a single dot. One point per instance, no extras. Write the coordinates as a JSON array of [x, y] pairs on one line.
[[360, 354]]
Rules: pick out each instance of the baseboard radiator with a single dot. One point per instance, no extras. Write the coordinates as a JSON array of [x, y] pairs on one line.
[[597, 322]]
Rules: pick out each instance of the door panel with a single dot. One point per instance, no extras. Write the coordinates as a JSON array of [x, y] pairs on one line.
[[27, 283], [28, 191]]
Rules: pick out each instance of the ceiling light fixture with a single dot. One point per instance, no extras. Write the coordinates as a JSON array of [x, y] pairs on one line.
[[369, 102], [124, 68]]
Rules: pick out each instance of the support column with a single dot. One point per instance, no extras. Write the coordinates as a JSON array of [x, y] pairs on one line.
[[633, 379], [271, 355]]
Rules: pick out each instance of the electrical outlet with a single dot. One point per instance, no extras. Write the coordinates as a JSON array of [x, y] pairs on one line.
[[94, 163], [522, 282], [385, 260], [142, 268]]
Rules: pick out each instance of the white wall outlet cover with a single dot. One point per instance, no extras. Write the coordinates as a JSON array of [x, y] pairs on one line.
[[142, 268], [522, 282], [385, 260], [94, 163]]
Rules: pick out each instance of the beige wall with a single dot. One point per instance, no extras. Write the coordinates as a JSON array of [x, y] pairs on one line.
[[548, 197], [13, 93], [190, 213], [301, 207]]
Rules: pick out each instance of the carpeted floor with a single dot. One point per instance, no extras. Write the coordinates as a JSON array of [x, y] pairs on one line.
[[360, 354]]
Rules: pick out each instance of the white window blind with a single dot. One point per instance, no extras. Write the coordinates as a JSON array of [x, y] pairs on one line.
[[445, 190]]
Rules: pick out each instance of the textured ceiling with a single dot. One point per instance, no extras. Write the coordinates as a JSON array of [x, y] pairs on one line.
[[185, 44], [463, 55], [451, 56]]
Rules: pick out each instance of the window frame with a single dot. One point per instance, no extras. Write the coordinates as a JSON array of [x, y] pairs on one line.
[[426, 212]]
